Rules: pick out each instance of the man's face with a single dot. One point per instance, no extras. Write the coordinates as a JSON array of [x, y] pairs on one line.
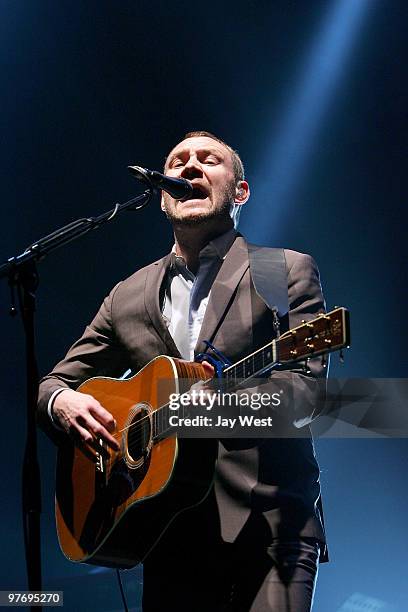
[[207, 164]]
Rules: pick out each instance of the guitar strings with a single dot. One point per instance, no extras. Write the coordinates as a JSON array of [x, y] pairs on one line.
[[139, 423], [137, 427]]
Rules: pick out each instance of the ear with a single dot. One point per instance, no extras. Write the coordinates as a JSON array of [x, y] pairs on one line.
[[162, 202], [242, 193]]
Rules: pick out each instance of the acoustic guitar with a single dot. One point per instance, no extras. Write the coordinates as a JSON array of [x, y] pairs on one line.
[[113, 506]]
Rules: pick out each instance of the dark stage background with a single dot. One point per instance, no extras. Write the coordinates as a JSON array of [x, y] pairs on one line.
[[313, 94]]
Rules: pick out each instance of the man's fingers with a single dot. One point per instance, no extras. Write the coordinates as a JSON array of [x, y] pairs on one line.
[[99, 431], [103, 416], [209, 369], [82, 434], [85, 422], [82, 416]]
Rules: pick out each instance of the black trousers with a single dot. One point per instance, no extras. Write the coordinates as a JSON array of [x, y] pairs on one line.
[[193, 569]]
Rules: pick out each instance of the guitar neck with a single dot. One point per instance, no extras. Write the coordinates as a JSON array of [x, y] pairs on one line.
[[254, 365], [327, 333]]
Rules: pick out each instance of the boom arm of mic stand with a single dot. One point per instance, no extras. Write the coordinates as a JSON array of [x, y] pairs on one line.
[[39, 249]]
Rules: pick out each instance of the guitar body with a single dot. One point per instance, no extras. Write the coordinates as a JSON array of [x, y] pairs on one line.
[[112, 507]]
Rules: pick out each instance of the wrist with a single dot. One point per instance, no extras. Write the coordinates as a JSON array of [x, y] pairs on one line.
[[50, 407]]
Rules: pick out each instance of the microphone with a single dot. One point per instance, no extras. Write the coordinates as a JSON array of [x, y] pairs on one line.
[[178, 188]]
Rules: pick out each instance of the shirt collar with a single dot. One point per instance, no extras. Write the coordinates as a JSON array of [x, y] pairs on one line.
[[216, 248]]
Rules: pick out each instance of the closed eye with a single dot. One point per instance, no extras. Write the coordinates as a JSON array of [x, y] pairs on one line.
[[211, 160]]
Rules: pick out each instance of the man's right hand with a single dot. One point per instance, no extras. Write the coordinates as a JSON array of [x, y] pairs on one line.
[[83, 418]]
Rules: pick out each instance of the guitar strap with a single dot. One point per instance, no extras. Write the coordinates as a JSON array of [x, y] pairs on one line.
[[269, 275], [268, 272]]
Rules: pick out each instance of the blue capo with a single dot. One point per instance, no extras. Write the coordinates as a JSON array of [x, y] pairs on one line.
[[219, 361]]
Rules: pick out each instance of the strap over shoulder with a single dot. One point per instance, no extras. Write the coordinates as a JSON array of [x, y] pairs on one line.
[[269, 275]]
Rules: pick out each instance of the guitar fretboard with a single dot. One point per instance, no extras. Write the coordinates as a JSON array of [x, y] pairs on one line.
[[255, 364]]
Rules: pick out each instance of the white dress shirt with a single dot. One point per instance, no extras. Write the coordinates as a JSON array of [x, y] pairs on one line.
[[186, 295]]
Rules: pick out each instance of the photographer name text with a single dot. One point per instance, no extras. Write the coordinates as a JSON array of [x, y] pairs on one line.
[[230, 423]]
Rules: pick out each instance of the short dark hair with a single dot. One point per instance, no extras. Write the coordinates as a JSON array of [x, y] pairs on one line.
[[238, 166]]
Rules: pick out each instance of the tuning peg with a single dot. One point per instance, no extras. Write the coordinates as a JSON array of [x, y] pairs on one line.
[[305, 367]]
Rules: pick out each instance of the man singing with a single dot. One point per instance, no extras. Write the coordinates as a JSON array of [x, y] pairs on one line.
[[255, 541]]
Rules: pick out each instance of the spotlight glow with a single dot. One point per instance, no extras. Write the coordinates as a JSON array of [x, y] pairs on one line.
[[293, 140]]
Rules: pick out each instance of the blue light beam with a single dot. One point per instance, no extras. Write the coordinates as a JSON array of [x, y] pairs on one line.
[[292, 145]]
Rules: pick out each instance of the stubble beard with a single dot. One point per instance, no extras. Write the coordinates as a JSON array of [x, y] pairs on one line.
[[222, 212]]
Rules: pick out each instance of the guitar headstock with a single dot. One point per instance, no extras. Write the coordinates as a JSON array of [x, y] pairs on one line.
[[325, 334]]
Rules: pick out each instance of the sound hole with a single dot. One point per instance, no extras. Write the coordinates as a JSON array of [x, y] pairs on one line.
[[139, 435]]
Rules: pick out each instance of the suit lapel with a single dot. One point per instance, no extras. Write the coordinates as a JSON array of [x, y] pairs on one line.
[[228, 278], [154, 280]]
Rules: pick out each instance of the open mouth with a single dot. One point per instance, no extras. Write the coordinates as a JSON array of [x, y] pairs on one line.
[[199, 193]]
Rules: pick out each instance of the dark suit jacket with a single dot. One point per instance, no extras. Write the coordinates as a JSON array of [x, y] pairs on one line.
[[273, 479]]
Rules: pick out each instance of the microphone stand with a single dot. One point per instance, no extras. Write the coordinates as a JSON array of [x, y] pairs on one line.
[[22, 274]]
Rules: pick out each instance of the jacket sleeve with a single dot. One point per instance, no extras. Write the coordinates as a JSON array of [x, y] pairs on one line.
[[96, 353], [306, 391]]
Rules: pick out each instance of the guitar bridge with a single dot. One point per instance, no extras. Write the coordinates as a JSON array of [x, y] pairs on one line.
[[100, 465], [101, 475]]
